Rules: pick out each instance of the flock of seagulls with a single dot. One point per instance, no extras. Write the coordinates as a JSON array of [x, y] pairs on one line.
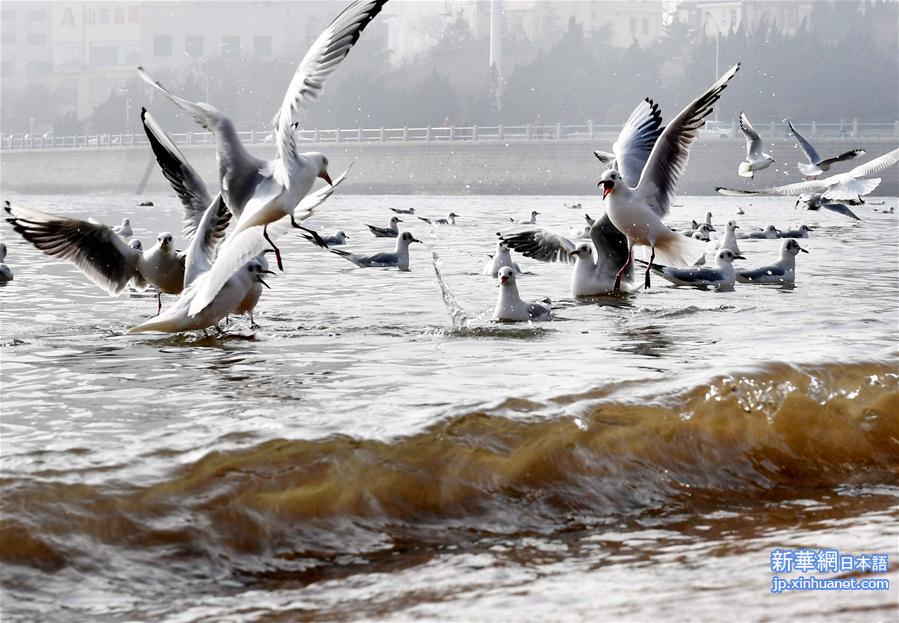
[[229, 233]]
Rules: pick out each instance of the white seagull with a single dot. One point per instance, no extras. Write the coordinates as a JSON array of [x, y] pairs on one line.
[[399, 258], [527, 221], [263, 192], [5, 271], [595, 268], [769, 233], [637, 212], [817, 165], [851, 185], [336, 239], [782, 271], [721, 276], [124, 230], [816, 201], [756, 159], [510, 307], [802, 232], [449, 220], [391, 231], [502, 257]]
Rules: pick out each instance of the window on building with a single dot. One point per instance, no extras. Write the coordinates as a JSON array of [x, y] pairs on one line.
[[230, 45], [37, 38], [262, 46], [632, 24], [193, 45], [103, 54], [162, 45], [37, 15], [645, 25]]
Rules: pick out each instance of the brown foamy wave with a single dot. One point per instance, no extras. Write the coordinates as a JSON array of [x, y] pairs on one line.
[[777, 427]]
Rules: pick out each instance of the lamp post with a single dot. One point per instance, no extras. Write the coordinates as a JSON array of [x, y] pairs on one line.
[[717, 37]]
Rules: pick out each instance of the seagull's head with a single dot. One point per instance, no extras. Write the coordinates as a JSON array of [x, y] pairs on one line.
[[805, 228], [502, 249], [136, 244], [341, 235], [165, 241], [453, 215], [727, 256], [256, 270], [706, 228], [408, 238], [321, 161], [581, 251], [771, 229], [534, 213], [609, 180], [792, 247], [2, 251], [394, 220], [732, 225], [506, 276], [126, 222]]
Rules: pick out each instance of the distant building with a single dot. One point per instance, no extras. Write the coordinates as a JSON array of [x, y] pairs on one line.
[[727, 15]]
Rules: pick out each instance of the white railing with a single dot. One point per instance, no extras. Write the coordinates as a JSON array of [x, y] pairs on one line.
[[530, 132]]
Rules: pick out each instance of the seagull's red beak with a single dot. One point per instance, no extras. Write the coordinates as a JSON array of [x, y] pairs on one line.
[[607, 186], [324, 175], [503, 279]]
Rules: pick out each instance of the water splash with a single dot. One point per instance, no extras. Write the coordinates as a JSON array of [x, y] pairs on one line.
[[457, 313]]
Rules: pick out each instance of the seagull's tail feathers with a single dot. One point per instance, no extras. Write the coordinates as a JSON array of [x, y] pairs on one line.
[[809, 170], [744, 170], [674, 249]]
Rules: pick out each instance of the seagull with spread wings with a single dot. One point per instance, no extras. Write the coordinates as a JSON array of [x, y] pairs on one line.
[[637, 211], [756, 159], [816, 164]]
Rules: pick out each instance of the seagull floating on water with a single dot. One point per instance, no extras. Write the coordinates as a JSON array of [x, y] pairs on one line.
[[782, 271], [336, 239], [817, 165], [756, 159], [5, 271], [502, 257], [401, 211], [449, 220], [769, 233], [638, 211], [530, 221], [391, 231], [721, 276], [399, 258], [124, 230], [802, 232], [510, 307]]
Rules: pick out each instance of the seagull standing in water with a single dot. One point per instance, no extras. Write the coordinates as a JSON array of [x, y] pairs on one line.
[[756, 159], [816, 164], [510, 307], [783, 271], [638, 211]]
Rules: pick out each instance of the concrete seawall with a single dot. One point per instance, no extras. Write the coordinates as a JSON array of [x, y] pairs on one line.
[[564, 167]]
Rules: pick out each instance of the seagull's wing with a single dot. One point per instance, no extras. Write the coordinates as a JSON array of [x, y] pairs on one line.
[[604, 157], [805, 146], [754, 274], [695, 276], [799, 188], [358, 260], [540, 244], [636, 140], [840, 208], [849, 155], [93, 248], [187, 184], [426, 220], [753, 140], [611, 247], [872, 166], [669, 156], [323, 57], [211, 229], [316, 198]]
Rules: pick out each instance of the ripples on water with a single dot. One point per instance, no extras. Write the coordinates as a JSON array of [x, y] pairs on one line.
[[365, 456]]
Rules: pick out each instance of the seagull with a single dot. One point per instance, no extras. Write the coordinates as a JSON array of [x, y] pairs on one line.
[[729, 241], [261, 192], [399, 258], [708, 220], [249, 302], [720, 277], [391, 231], [101, 255], [595, 268], [740, 212], [5, 271], [817, 165], [702, 231], [769, 233], [502, 257], [336, 240], [124, 230], [233, 295], [841, 187], [511, 308], [802, 232], [137, 283], [449, 220], [782, 271], [756, 159], [815, 201], [637, 211], [401, 211], [530, 221], [635, 142]]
